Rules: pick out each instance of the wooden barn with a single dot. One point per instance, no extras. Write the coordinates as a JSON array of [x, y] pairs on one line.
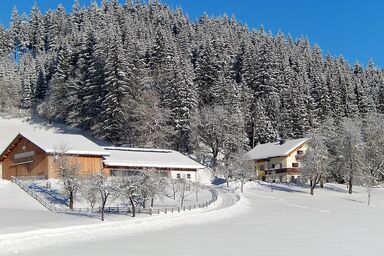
[[32, 154], [125, 161]]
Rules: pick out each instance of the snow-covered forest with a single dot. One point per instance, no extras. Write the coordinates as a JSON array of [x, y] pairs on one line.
[[143, 74]]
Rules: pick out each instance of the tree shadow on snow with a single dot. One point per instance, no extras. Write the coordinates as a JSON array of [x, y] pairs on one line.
[[218, 181], [285, 187], [335, 188], [51, 195], [354, 200]]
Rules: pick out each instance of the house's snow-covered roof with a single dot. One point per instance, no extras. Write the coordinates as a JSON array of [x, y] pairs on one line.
[[274, 149], [151, 158], [69, 143]]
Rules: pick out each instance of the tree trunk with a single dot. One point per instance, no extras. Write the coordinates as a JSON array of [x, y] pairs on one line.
[[321, 183], [152, 202], [369, 199], [102, 209], [215, 153], [227, 183], [174, 190], [133, 207], [310, 182], [242, 187], [350, 185], [71, 200], [312, 190], [144, 203]]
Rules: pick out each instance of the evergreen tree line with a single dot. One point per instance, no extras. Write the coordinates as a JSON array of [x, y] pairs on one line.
[[142, 74]]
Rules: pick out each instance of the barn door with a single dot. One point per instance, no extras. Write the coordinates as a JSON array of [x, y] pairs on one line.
[[19, 170]]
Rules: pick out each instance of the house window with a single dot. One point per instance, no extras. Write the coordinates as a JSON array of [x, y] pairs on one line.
[[262, 168], [188, 175], [281, 165], [273, 166], [178, 176], [295, 164], [300, 152]]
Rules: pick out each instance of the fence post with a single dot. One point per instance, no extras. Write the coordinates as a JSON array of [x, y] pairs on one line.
[[158, 211], [150, 211], [165, 211], [178, 209]]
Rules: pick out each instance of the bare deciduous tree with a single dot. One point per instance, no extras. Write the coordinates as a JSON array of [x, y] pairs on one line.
[[219, 130], [152, 122], [237, 168], [350, 152], [373, 136], [315, 162], [68, 173], [130, 188], [154, 183], [106, 187], [90, 192], [183, 189]]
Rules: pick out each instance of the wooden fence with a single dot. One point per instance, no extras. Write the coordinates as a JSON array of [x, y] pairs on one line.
[[116, 210]]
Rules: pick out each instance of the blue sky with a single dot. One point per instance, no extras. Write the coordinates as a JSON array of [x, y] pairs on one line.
[[352, 28]]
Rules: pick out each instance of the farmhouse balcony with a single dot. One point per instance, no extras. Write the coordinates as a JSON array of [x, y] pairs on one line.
[[282, 170]]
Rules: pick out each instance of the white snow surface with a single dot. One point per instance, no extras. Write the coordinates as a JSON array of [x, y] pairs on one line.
[[287, 221], [274, 149], [133, 157], [19, 212]]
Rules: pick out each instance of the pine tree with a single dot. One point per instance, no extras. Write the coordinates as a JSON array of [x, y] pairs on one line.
[[112, 124], [36, 31]]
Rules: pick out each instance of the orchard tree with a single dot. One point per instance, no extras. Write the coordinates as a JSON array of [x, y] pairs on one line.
[[107, 187], [68, 172]]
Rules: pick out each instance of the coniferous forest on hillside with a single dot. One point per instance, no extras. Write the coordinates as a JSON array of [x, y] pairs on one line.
[[143, 74]]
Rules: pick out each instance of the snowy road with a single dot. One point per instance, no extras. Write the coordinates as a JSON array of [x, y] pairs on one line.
[[33, 241]]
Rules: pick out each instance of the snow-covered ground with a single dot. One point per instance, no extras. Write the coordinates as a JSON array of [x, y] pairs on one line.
[[19, 212], [287, 221]]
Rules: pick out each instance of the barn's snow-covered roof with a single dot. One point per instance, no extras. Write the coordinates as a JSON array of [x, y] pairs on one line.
[[67, 143], [274, 149], [151, 158]]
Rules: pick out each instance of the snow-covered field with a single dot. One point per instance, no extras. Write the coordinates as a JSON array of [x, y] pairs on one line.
[[19, 212], [287, 221]]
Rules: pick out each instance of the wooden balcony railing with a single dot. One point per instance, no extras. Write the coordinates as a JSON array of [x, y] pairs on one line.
[[282, 170]]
